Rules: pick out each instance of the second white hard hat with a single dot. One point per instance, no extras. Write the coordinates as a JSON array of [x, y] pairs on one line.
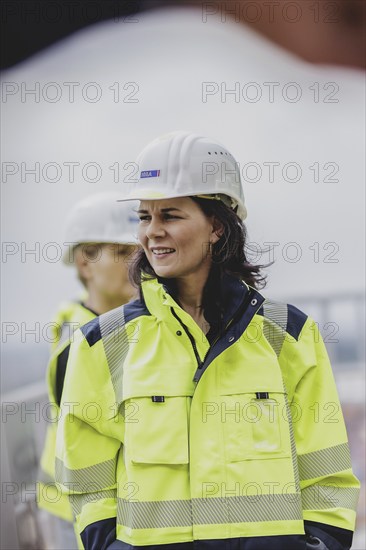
[[100, 218], [182, 164]]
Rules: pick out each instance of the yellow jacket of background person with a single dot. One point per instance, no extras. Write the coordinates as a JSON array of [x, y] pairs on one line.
[[167, 436], [70, 317]]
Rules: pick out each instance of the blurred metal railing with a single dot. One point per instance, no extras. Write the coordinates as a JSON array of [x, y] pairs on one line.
[[22, 436], [341, 321]]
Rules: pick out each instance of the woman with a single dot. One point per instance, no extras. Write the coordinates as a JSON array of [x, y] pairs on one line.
[[176, 429], [99, 240]]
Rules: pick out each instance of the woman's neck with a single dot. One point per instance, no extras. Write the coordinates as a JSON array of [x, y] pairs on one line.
[[101, 304], [190, 296]]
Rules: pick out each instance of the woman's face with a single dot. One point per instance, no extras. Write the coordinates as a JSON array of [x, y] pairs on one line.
[[176, 236], [105, 269]]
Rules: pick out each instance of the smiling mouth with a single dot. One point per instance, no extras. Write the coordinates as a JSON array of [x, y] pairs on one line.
[[162, 251]]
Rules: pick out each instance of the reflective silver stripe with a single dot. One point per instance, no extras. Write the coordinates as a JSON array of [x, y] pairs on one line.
[[154, 515], [320, 497], [93, 478], [324, 462], [210, 511], [293, 443], [274, 329], [243, 509], [274, 324], [78, 501], [115, 342]]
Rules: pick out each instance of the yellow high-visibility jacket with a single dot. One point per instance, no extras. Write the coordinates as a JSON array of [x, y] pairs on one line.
[[69, 317], [167, 436]]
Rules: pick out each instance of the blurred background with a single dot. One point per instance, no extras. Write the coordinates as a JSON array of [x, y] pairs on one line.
[[85, 85]]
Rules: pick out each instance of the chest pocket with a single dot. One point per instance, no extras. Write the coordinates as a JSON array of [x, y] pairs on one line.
[[255, 426], [156, 431]]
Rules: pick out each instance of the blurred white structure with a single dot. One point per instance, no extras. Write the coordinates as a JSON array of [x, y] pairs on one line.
[[75, 116]]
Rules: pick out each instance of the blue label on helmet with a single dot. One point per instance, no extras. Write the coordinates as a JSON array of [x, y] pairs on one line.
[[150, 174]]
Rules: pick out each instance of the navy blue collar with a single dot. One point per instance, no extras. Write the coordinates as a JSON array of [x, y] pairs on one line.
[[226, 294], [241, 304], [233, 291]]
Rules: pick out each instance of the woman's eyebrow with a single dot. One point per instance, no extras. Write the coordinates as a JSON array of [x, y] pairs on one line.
[[162, 210]]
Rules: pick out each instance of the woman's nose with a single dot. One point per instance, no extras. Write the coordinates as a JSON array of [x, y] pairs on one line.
[[155, 229]]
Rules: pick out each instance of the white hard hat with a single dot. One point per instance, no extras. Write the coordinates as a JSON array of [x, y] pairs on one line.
[[181, 164], [100, 218]]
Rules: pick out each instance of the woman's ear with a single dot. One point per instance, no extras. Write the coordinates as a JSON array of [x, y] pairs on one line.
[[82, 263], [217, 230]]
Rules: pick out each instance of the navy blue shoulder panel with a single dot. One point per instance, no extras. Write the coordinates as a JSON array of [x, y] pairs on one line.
[[296, 319], [92, 332], [134, 309]]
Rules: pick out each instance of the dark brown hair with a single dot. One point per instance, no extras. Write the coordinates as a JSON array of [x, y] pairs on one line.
[[229, 253]]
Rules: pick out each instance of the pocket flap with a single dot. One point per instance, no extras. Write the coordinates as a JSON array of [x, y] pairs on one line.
[[255, 425], [156, 429]]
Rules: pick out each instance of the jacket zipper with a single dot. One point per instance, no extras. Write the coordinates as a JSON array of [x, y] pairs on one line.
[[191, 339], [239, 311]]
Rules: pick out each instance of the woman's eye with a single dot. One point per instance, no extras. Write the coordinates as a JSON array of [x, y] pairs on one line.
[[166, 217]]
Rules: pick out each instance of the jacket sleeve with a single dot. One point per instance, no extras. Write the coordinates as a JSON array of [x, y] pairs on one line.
[[329, 489], [89, 439]]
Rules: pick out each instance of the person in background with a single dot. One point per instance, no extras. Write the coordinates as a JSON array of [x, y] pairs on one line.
[[206, 437], [100, 238]]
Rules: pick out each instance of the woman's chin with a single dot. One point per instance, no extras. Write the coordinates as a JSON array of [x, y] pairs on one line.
[[166, 272]]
